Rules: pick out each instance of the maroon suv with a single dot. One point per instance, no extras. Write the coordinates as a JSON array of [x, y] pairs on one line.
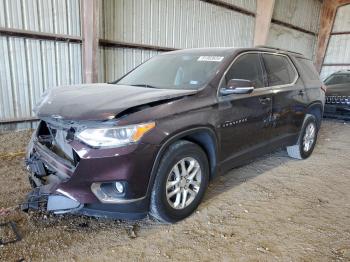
[[149, 142]]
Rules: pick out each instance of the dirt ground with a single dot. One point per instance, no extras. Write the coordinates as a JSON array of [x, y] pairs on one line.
[[275, 209]]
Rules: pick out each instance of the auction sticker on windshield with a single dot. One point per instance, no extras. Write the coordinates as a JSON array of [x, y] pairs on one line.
[[211, 58]]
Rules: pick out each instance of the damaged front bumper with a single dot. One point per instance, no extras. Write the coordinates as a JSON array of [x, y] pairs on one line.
[[64, 185], [47, 172]]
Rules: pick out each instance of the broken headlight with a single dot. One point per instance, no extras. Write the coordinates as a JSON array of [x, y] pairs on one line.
[[114, 136]]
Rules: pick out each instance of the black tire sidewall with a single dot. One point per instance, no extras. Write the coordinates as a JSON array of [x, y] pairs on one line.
[[171, 157], [303, 153]]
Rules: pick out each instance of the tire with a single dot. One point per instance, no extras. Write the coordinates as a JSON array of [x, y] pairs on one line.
[[167, 209], [300, 150]]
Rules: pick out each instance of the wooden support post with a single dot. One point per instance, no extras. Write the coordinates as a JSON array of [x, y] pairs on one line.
[[263, 21], [328, 13], [90, 22]]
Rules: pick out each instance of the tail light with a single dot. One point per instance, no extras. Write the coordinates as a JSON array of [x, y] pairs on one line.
[[324, 88]]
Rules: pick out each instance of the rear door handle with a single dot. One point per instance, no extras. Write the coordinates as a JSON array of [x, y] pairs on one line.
[[301, 92], [265, 100]]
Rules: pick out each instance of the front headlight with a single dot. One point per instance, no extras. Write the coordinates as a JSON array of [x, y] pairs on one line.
[[114, 136]]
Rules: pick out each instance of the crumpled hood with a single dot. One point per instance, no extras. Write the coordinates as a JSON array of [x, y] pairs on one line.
[[99, 101]]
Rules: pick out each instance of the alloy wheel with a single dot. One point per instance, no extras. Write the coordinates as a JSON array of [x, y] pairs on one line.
[[183, 183], [309, 137]]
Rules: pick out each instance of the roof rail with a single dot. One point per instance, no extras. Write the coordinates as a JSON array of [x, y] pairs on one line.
[[278, 49]]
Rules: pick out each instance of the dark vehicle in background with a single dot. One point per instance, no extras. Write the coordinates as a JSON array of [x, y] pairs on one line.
[[150, 142], [338, 95]]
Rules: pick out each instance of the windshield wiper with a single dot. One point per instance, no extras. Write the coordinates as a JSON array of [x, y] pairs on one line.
[[145, 85]]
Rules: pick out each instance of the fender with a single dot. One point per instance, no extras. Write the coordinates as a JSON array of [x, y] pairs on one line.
[[171, 140], [316, 105]]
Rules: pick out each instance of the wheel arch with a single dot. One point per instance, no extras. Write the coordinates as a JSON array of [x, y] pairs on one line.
[[316, 109], [208, 143], [205, 137]]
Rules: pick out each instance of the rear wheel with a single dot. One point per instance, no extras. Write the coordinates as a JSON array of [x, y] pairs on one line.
[[180, 182], [307, 140]]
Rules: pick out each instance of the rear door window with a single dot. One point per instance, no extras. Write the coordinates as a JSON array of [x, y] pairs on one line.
[[247, 67], [279, 70]]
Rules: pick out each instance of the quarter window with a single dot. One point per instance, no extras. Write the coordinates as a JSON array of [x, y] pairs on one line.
[[279, 70], [247, 67]]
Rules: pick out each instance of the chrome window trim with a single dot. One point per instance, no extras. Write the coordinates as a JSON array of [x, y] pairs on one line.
[[265, 87]]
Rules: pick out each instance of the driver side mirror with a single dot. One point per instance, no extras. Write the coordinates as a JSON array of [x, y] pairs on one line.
[[238, 86]]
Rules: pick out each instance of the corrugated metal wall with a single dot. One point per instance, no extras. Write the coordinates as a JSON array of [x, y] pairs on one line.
[[342, 21], [168, 23], [300, 13], [47, 16], [290, 39], [338, 51], [115, 62], [245, 4], [29, 66]]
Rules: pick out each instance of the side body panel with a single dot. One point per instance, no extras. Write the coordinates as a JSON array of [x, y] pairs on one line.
[[243, 122], [310, 78]]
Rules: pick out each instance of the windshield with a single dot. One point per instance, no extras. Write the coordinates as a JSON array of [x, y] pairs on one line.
[[338, 79], [174, 71]]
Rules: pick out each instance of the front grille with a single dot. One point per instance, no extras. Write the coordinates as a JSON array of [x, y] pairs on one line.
[[340, 100]]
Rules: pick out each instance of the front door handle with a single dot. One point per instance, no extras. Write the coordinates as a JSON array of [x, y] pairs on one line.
[[301, 92], [265, 100]]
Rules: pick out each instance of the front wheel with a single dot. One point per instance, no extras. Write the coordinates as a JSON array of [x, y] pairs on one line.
[[180, 183], [307, 140]]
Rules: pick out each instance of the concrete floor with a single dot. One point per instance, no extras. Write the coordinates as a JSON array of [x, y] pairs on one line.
[[275, 209]]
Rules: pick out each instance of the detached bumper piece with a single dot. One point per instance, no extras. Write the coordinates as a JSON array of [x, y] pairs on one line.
[[35, 200], [57, 204], [60, 204]]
